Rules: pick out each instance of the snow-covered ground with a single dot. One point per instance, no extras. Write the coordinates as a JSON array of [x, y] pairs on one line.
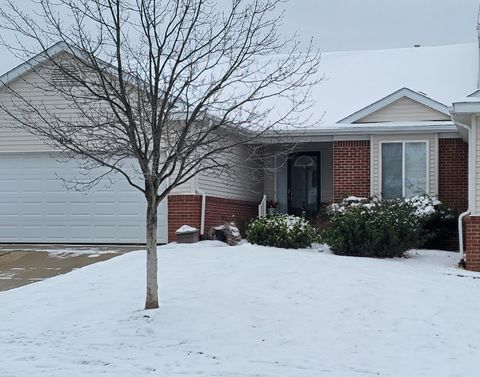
[[247, 311]]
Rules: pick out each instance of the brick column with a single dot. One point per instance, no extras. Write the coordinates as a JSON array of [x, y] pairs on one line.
[[183, 210], [472, 242], [453, 173], [351, 169]]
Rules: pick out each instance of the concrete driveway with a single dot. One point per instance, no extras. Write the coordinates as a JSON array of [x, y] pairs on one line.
[[25, 264]]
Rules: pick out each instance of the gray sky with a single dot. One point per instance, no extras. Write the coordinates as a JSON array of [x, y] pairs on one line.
[[375, 24], [369, 24]]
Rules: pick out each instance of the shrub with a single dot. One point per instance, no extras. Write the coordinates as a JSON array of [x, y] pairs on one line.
[[438, 222], [289, 232], [373, 228]]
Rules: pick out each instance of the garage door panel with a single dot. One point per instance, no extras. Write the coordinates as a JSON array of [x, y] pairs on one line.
[[35, 205]]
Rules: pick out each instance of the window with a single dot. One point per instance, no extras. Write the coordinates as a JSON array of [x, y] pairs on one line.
[[404, 169]]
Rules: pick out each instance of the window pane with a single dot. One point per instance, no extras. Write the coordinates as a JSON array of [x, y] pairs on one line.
[[392, 170], [415, 169]]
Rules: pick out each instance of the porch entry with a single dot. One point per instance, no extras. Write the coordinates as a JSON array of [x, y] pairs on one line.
[[304, 195]]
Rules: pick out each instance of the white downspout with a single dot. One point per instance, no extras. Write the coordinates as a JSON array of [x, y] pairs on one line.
[[470, 188], [203, 206]]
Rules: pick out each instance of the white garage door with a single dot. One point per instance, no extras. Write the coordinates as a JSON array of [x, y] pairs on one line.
[[35, 205]]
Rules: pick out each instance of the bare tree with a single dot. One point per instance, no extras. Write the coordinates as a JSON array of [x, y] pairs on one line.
[[172, 84]]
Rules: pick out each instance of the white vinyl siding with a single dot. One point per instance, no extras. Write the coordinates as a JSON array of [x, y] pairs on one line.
[[187, 188], [432, 158], [404, 110], [243, 183], [16, 139]]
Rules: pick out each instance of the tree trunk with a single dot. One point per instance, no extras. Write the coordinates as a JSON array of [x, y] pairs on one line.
[[151, 301]]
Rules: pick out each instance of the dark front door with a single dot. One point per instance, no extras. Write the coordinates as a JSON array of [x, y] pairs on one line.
[[304, 184]]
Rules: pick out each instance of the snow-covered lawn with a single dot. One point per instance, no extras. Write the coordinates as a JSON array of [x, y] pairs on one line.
[[247, 311]]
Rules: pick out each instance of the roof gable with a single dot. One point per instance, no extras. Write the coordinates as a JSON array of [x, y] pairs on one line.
[[404, 105]]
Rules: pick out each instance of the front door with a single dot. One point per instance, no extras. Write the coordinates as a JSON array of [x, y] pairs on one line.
[[304, 184]]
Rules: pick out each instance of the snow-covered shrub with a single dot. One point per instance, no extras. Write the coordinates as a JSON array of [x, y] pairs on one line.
[[286, 231], [429, 220], [439, 222], [373, 228]]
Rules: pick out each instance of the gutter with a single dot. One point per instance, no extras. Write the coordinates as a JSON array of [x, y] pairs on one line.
[[349, 130], [203, 206]]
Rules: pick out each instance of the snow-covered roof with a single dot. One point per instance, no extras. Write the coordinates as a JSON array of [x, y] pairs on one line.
[[354, 80]]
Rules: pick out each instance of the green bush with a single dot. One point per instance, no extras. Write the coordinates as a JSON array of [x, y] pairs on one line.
[[373, 228], [289, 232]]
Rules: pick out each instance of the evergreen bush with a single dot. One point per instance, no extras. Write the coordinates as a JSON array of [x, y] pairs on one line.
[[373, 228], [285, 231]]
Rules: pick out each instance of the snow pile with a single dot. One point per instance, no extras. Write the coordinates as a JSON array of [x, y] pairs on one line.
[[247, 311]]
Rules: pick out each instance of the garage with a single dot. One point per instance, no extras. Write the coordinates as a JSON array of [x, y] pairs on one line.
[[37, 207]]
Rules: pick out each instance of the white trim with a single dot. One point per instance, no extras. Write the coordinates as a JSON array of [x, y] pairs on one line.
[[403, 142], [404, 92], [361, 137], [352, 131], [472, 146], [436, 147], [464, 107]]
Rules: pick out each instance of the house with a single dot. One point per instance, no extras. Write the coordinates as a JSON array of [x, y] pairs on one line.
[[393, 122], [387, 129]]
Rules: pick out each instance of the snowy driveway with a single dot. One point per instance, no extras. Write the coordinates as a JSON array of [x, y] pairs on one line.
[[25, 264], [247, 311]]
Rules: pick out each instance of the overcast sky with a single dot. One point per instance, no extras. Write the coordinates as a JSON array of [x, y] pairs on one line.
[[369, 24], [375, 24]]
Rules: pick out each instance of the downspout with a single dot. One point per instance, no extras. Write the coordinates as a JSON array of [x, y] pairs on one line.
[[203, 206], [470, 188]]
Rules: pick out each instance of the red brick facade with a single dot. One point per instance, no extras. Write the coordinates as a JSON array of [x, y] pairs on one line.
[[472, 242], [219, 210], [453, 173], [183, 210], [351, 169], [186, 210]]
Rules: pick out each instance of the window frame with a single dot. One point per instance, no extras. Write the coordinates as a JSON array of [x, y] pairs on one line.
[[404, 142]]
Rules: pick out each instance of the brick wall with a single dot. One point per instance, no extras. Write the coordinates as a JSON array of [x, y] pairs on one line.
[[183, 210], [351, 169], [453, 173], [186, 210], [472, 242], [219, 210]]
